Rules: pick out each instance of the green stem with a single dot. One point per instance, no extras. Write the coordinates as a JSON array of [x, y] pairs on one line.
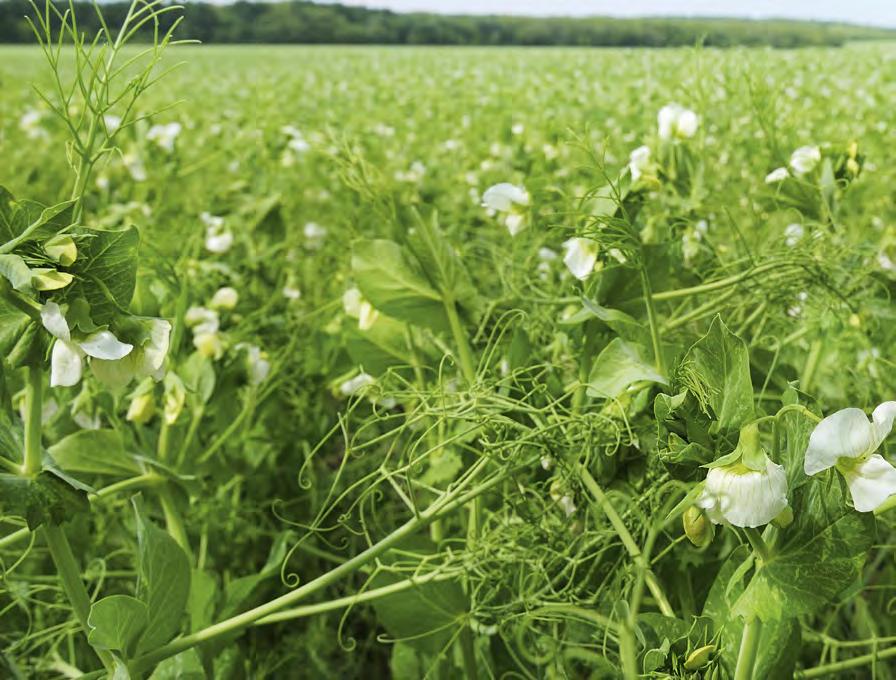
[[719, 283], [447, 503], [830, 669], [464, 354], [811, 367], [70, 575], [173, 520], [627, 541], [352, 600], [33, 409], [749, 645], [468, 651], [652, 321], [759, 546]]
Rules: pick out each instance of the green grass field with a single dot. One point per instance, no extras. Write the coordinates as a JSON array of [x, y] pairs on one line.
[[297, 385]]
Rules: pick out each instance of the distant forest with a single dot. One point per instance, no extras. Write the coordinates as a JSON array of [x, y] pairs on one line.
[[311, 23]]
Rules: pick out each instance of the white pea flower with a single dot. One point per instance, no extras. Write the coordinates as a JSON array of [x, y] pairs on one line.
[[581, 256], [209, 345], [210, 221], [112, 122], [224, 298], [259, 366], [68, 355], [314, 235], [354, 385], [676, 122], [638, 162], [134, 165], [805, 159], [164, 135], [776, 175], [218, 242], [29, 123], [793, 234], [146, 361], [357, 307], [297, 141], [567, 504], [202, 320], [510, 199], [846, 440], [742, 496]]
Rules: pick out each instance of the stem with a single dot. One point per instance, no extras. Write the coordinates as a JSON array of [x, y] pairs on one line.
[[33, 410], [719, 283], [464, 354], [856, 662], [811, 366], [70, 575], [631, 547], [351, 600], [447, 503], [759, 546], [468, 651], [173, 521], [749, 644], [652, 320]]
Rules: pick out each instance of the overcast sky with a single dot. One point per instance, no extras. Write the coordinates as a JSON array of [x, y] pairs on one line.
[[876, 12]]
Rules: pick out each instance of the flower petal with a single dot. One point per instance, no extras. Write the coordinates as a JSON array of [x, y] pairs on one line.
[[883, 417], [744, 497], [580, 257], [54, 321], [501, 197], [844, 434], [104, 345], [65, 364], [871, 482]]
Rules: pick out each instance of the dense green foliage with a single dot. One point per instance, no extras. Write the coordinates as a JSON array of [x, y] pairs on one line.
[[426, 363], [307, 22]]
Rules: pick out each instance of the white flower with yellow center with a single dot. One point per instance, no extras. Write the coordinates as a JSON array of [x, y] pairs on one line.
[[846, 440], [580, 256], [676, 122], [510, 200]]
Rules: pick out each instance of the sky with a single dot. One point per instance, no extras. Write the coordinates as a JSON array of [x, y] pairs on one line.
[[871, 12]]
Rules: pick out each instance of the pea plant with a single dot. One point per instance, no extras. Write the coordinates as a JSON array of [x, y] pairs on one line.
[[582, 425]]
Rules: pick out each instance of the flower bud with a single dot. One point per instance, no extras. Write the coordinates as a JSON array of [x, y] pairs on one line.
[[699, 657], [224, 298], [175, 397], [697, 527], [61, 249], [209, 345], [142, 408]]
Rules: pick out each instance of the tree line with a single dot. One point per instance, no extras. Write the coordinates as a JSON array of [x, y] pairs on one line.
[[305, 22]]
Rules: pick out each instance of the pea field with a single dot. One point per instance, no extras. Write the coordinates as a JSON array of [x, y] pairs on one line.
[[482, 363]]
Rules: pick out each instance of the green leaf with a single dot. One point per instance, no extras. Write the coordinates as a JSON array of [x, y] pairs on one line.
[[163, 581], [624, 325], [426, 617], [100, 452], [441, 265], [817, 557], [618, 366], [44, 499], [716, 371], [13, 325], [779, 642], [394, 286], [116, 623], [201, 605], [14, 270], [106, 271], [184, 666]]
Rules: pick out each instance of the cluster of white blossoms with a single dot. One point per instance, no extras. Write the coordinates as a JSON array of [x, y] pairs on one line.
[[165, 135], [112, 361], [676, 122], [218, 239], [205, 322], [753, 495], [802, 161], [511, 202]]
